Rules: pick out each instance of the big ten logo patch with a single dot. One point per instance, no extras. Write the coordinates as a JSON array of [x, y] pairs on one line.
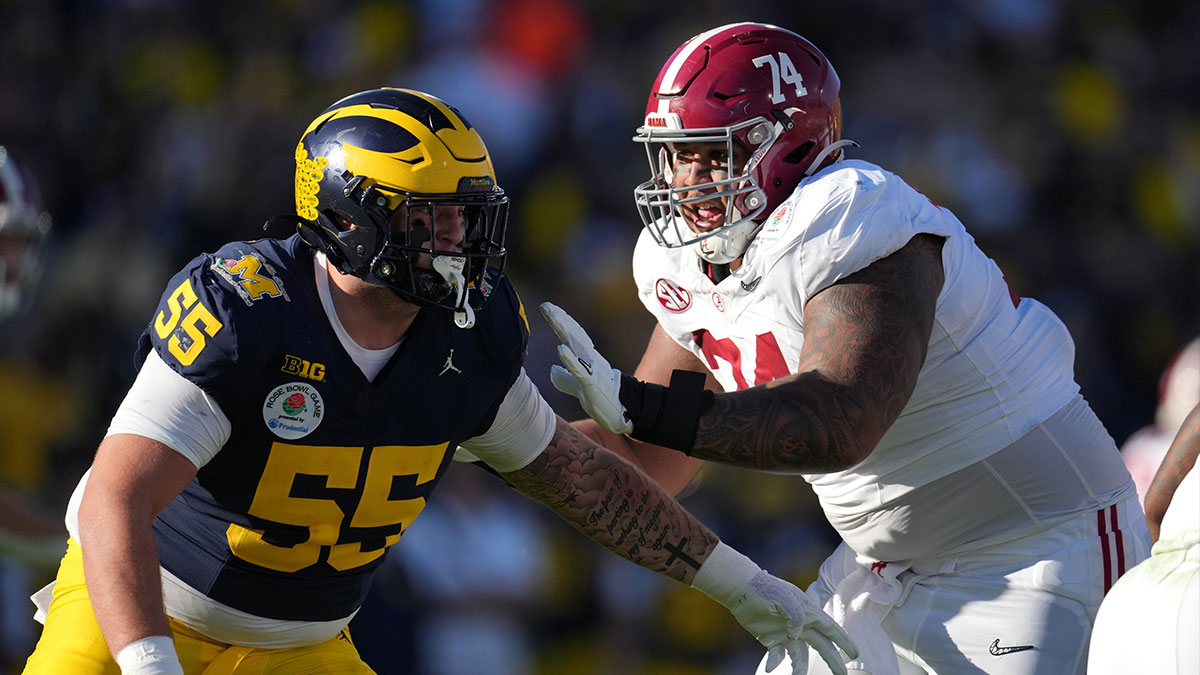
[[294, 365]]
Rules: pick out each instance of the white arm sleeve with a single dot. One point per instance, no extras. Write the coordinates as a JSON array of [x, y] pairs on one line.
[[165, 406], [522, 429]]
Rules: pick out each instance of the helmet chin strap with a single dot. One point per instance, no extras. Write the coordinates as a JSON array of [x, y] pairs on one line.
[[728, 244], [450, 267]]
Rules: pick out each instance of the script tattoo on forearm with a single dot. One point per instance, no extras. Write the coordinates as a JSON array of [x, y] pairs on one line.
[[865, 339], [615, 504]]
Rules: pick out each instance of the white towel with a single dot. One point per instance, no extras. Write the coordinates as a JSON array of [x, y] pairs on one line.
[[41, 602], [859, 604]]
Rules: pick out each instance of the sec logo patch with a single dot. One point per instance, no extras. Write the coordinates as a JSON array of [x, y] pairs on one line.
[[293, 410], [672, 296]]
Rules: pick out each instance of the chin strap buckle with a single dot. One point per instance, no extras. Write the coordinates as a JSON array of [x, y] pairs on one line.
[[450, 267], [465, 317]]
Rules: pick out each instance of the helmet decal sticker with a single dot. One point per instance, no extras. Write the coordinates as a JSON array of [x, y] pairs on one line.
[[781, 70], [309, 173]]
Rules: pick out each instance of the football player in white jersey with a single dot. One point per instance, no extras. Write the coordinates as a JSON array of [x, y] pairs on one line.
[[860, 338], [1150, 621]]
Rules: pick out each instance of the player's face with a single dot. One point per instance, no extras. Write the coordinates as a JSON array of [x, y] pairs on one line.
[[699, 165], [441, 228]]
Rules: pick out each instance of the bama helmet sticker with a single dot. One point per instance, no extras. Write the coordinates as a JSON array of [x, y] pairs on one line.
[[293, 410]]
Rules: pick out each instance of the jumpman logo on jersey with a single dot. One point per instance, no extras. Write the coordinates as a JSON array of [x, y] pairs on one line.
[[878, 567], [449, 365]]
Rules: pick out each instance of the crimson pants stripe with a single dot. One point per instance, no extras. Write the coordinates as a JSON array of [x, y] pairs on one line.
[[1103, 526], [1116, 526]]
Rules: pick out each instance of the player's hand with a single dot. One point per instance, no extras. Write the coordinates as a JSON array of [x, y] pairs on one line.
[[787, 622], [587, 375], [775, 612]]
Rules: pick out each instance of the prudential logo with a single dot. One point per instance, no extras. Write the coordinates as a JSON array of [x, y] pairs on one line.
[[293, 410]]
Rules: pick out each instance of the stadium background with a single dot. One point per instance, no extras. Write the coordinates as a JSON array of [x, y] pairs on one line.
[[1064, 133]]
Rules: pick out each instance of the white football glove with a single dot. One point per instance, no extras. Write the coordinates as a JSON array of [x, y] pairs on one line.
[[587, 375], [153, 655], [776, 613]]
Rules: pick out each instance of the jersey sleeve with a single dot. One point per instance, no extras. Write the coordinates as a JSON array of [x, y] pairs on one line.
[[843, 221], [521, 430], [164, 406], [208, 330]]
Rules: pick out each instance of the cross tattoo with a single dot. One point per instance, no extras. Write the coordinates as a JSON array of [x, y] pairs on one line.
[[677, 552]]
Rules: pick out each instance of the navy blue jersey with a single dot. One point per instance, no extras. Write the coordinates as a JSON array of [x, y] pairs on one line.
[[323, 470]]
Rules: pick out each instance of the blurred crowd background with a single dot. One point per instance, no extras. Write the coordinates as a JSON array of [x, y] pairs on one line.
[[1064, 133]]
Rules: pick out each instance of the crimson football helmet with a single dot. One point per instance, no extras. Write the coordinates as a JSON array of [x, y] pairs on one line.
[[371, 171], [760, 88], [24, 225]]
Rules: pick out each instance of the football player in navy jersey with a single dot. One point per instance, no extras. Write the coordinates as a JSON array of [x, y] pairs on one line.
[[860, 338], [298, 400]]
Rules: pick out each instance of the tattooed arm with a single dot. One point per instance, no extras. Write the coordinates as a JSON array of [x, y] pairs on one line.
[[615, 504], [1179, 460], [621, 508], [673, 470], [865, 339]]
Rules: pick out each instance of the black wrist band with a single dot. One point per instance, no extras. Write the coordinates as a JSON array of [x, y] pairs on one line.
[[666, 416]]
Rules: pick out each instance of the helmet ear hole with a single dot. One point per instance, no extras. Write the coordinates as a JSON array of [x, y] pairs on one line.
[[343, 223], [795, 156]]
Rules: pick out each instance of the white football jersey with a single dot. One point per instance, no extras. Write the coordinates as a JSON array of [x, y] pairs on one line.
[[997, 365]]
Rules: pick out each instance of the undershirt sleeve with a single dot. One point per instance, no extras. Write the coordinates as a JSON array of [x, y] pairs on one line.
[[522, 429], [164, 406]]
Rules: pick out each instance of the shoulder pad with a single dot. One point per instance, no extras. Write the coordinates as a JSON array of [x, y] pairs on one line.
[[220, 310]]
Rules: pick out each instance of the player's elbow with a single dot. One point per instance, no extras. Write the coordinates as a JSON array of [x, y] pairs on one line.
[[856, 451], [852, 425]]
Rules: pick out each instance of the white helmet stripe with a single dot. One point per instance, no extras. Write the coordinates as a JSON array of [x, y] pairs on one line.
[[668, 81]]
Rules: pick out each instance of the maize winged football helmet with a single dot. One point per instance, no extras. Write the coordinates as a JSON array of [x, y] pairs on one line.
[[372, 160]]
